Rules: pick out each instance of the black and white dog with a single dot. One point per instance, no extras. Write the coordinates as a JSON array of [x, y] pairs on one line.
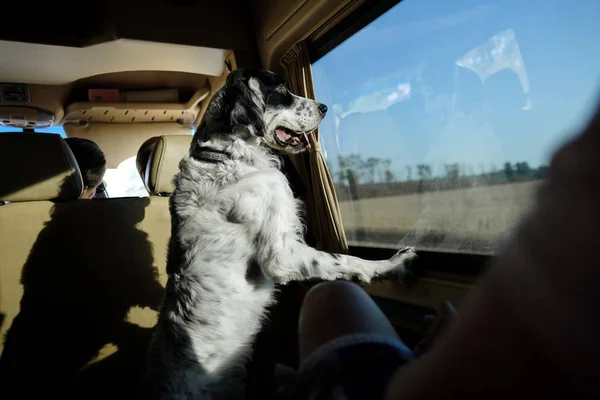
[[236, 232]]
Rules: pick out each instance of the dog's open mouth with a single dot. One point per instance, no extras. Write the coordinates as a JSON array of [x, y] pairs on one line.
[[287, 137]]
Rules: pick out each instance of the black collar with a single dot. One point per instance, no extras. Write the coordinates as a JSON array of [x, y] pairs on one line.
[[209, 154]]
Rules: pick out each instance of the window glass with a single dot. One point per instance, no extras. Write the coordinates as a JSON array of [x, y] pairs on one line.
[[9, 129], [55, 129], [125, 180], [444, 115], [58, 130]]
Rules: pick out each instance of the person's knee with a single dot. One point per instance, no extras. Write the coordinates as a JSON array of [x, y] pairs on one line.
[[331, 292], [335, 309], [329, 300]]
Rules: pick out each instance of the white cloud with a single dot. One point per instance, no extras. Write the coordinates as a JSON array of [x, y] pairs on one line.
[[499, 52], [392, 96], [376, 101]]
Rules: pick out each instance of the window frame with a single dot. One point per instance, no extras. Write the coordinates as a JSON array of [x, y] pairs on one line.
[[357, 19], [447, 263]]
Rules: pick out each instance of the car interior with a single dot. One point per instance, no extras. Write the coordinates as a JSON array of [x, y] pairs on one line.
[[81, 282]]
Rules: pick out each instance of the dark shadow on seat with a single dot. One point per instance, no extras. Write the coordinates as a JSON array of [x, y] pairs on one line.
[[88, 267], [276, 343]]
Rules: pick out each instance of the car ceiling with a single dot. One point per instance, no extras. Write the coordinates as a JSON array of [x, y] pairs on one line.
[[218, 24], [251, 28]]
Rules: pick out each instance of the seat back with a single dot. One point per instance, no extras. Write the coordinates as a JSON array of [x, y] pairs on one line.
[[158, 162], [81, 281], [37, 167]]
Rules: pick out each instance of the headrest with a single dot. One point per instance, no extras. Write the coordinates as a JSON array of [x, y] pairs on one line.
[[158, 161], [37, 166]]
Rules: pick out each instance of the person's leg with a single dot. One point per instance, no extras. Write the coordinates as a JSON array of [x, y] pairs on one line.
[[336, 309], [348, 348]]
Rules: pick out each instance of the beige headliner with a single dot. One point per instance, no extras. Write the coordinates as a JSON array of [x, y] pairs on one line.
[[58, 65]]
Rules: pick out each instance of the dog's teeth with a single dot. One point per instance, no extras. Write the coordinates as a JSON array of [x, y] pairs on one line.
[[307, 142]]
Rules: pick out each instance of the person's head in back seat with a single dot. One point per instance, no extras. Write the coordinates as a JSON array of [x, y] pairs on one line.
[[92, 164]]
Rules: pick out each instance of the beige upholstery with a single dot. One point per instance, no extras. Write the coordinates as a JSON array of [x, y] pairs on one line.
[[37, 167], [143, 157], [81, 284], [163, 162]]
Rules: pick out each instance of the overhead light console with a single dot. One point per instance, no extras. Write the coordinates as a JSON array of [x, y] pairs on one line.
[[12, 113], [14, 93]]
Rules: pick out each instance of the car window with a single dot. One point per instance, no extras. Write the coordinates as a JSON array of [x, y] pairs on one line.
[[444, 115], [125, 180], [9, 129], [58, 130]]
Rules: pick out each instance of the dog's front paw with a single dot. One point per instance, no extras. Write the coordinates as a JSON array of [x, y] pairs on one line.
[[404, 265]]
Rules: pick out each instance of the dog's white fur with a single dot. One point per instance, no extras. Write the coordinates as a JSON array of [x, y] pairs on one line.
[[239, 233]]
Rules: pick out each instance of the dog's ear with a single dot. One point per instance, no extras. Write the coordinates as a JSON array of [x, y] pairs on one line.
[[213, 120], [249, 106], [238, 105]]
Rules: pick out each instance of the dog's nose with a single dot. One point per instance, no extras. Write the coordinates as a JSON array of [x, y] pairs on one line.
[[322, 109]]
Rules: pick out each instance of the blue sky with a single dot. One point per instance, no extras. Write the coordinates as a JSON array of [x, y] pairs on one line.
[[470, 81], [54, 129]]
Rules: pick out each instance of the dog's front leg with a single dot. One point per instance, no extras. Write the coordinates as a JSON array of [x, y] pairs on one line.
[[296, 261], [284, 258]]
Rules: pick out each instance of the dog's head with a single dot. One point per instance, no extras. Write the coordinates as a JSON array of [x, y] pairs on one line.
[[257, 103]]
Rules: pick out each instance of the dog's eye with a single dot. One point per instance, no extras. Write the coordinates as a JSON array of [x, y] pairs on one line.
[[281, 89]]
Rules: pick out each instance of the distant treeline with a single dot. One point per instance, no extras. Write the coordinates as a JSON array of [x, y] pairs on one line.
[[357, 178]]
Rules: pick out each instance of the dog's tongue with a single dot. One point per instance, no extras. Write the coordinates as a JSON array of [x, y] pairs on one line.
[[294, 140], [307, 142], [282, 135]]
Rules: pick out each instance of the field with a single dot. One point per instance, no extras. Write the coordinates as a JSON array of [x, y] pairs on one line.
[[474, 219]]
